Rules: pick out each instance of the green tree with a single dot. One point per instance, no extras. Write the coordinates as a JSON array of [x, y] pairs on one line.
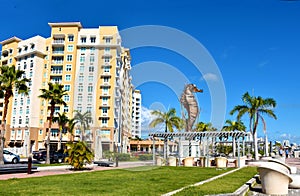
[[78, 154], [234, 126], [54, 94], [169, 119], [10, 79], [62, 120], [84, 120], [255, 107], [202, 126], [71, 125]]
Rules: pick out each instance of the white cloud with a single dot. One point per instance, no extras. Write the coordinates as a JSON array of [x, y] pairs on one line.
[[263, 63], [210, 77], [147, 117]]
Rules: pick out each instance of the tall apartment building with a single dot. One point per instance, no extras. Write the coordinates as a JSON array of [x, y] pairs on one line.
[[94, 69], [136, 114]]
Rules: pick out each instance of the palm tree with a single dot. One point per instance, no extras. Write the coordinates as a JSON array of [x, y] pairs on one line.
[[234, 126], [10, 79], [71, 124], [54, 95], [201, 126], [84, 120], [255, 107], [62, 121], [78, 154], [169, 119]]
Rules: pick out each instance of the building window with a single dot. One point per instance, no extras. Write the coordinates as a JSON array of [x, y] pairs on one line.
[[107, 50], [81, 78], [92, 58], [82, 59], [20, 120], [79, 109], [89, 109], [90, 78], [93, 39], [71, 38], [70, 48], [92, 49], [66, 109], [106, 59], [104, 110], [69, 57], [91, 69], [83, 39], [83, 49], [107, 40], [68, 77], [81, 68], [66, 98], [27, 110], [79, 98], [105, 89], [105, 99], [106, 79], [104, 121], [67, 87], [68, 67], [106, 69], [80, 88], [89, 99], [40, 132], [90, 89]]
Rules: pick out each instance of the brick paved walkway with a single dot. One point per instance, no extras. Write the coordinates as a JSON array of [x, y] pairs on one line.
[[57, 170]]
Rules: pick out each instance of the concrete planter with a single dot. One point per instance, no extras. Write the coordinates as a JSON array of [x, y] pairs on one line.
[[188, 161], [172, 161], [221, 162], [275, 178], [160, 161]]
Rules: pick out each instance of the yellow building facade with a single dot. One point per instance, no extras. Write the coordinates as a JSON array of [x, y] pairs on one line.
[[94, 69]]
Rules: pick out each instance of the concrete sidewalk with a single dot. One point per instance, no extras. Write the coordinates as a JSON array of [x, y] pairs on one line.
[[65, 169]]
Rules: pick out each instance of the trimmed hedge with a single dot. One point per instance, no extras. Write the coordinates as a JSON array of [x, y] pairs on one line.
[[145, 157]]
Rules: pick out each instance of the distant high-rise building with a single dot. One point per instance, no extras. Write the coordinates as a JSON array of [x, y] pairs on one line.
[[136, 114], [94, 69]]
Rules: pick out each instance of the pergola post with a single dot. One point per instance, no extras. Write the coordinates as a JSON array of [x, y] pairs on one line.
[[153, 151], [239, 157], [243, 146], [207, 152]]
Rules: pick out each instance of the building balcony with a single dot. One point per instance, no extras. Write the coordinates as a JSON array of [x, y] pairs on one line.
[[57, 62], [58, 53], [105, 74], [58, 42], [56, 72], [105, 84]]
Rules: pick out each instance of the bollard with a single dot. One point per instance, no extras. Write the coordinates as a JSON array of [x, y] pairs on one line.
[[117, 161], [29, 165]]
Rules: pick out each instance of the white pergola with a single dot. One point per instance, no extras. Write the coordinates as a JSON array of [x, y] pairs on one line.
[[235, 135]]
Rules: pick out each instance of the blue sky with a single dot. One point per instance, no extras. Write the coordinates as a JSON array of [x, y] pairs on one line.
[[255, 45]]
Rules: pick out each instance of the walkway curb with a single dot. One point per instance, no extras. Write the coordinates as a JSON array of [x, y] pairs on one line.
[[202, 182]]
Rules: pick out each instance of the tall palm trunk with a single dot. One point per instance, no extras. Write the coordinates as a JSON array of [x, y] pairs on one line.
[[165, 144], [60, 138], [2, 133], [49, 133]]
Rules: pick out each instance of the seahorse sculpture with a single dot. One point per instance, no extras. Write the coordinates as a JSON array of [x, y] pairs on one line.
[[189, 102]]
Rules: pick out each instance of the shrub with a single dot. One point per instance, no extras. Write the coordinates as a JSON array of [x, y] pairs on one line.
[[123, 156], [145, 157], [78, 154]]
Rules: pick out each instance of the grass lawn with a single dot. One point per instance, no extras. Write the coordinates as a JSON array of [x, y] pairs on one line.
[[135, 181], [226, 184]]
